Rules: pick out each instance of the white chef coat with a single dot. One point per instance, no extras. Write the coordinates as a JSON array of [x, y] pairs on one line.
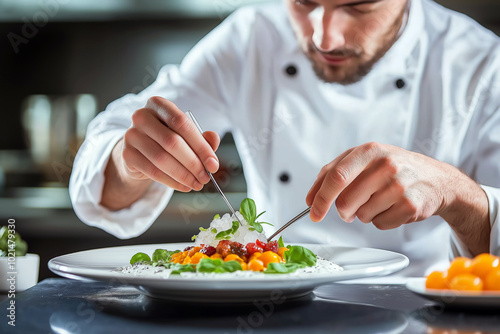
[[241, 78]]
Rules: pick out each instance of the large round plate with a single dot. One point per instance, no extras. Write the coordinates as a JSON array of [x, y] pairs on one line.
[[98, 264], [453, 297]]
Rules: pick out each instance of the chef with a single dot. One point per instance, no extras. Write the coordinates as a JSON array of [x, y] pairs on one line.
[[383, 115]]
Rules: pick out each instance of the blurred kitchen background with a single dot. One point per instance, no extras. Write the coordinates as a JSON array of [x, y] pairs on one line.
[[62, 62]]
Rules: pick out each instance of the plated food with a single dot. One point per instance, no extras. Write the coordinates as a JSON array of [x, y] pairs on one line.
[[481, 273], [227, 246]]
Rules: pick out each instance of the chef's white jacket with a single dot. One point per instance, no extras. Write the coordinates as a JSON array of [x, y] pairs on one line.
[[436, 91]]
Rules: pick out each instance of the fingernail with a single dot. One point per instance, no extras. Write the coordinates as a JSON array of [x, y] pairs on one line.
[[351, 219], [197, 185], [212, 164]]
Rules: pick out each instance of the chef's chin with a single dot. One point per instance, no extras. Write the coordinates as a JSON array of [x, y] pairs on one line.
[[346, 73]]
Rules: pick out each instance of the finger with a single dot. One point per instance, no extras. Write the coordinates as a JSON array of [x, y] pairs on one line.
[[213, 139], [374, 178], [340, 176], [172, 143], [162, 159], [143, 165], [321, 175], [180, 123], [395, 216], [379, 202]]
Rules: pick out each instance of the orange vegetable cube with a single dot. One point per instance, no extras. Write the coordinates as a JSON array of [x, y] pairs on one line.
[[197, 257], [244, 266], [255, 265], [233, 257], [216, 256], [254, 256], [193, 251], [281, 251], [268, 257], [186, 260]]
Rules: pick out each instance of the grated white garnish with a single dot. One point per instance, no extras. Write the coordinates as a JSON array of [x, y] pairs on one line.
[[322, 266]]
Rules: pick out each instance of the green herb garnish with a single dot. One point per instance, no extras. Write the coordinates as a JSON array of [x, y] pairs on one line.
[[227, 233], [249, 212], [217, 266]]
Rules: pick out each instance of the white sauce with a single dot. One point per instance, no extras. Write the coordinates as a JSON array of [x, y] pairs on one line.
[[322, 266]]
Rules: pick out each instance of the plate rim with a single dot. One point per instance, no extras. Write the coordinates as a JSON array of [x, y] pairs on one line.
[[58, 267], [417, 285]]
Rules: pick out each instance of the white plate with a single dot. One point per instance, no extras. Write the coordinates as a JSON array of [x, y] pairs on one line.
[[98, 264], [453, 297]]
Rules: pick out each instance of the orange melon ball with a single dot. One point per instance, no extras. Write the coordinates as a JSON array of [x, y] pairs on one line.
[[492, 281], [483, 264], [436, 280], [459, 266], [466, 282]]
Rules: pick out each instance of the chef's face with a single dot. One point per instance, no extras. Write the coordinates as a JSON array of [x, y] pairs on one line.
[[343, 39]]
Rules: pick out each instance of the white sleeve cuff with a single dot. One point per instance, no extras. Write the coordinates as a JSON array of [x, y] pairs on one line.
[[458, 248], [86, 185]]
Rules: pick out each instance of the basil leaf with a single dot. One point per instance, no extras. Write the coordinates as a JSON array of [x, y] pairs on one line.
[[247, 210], [140, 257], [280, 242], [282, 268], [178, 268], [213, 230], [227, 233], [163, 255], [217, 216], [260, 214], [300, 255], [257, 227], [266, 223], [217, 266]]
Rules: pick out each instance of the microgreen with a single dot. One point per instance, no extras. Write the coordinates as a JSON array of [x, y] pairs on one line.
[[227, 233]]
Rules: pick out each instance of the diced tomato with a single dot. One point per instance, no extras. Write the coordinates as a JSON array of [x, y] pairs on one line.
[[208, 250], [260, 243], [188, 248], [272, 246], [268, 246], [253, 248], [226, 247]]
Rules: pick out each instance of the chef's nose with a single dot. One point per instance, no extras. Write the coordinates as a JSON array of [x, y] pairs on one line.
[[328, 29]]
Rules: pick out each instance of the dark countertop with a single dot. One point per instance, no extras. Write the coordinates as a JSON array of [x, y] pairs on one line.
[[69, 306]]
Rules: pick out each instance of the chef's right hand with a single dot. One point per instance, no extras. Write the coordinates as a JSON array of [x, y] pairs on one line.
[[163, 144]]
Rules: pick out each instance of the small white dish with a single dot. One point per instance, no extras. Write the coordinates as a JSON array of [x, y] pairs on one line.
[[101, 264], [453, 297], [20, 272]]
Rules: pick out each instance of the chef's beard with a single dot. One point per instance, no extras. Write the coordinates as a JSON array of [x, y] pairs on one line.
[[344, 74], [359, 64]]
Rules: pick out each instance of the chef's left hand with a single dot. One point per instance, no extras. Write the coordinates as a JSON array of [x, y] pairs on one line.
[[383, 184]]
